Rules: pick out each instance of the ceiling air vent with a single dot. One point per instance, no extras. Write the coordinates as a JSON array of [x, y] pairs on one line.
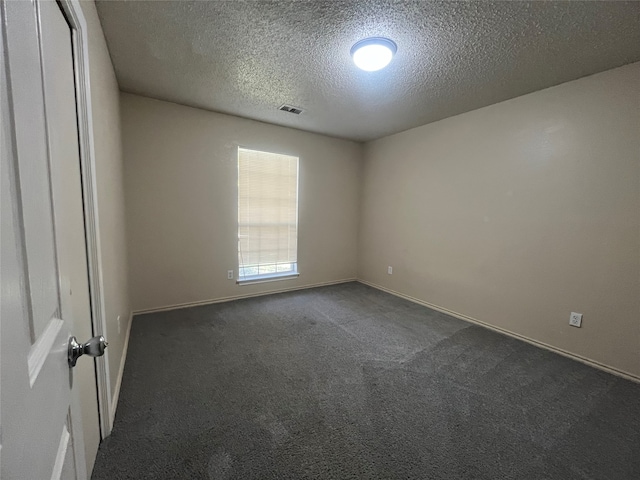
[[290, 109]]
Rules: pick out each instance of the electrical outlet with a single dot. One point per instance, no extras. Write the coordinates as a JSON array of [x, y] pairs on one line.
[[119, 326], [390, 270], [575, 320], [229, 274]]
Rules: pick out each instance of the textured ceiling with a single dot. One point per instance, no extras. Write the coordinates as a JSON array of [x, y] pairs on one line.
[[247, 58]]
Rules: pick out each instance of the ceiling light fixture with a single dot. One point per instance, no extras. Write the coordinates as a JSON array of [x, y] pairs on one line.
[[373, 53]]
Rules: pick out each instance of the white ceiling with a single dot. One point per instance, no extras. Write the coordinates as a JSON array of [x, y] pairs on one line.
[[247, 58]]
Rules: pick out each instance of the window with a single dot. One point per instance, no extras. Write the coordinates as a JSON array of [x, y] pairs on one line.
[[267, 215]]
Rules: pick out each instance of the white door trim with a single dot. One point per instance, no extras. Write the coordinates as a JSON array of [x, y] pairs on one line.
[[80, 39]]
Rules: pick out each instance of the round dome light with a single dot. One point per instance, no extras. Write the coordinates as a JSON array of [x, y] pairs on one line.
[[373, 54]]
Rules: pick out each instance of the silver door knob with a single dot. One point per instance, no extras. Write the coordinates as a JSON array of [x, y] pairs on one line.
[[94, 348]]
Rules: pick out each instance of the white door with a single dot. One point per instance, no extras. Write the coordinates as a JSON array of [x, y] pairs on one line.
[[44, 281]]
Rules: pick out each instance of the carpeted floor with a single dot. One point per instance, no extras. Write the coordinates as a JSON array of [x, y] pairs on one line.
[[347, 382]]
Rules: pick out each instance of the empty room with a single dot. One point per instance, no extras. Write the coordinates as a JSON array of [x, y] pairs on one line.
[[290, 239]]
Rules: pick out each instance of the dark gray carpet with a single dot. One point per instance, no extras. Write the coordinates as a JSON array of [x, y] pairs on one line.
[[347, 382]]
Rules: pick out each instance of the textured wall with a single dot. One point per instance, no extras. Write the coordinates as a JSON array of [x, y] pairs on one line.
[[519, 213], [181, 181], [110, 190]]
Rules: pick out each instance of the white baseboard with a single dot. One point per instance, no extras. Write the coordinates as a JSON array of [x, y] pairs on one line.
[[123, 358], [239, 297], [564, 353]]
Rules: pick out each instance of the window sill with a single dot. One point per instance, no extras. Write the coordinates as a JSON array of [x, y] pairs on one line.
[[267, 278]]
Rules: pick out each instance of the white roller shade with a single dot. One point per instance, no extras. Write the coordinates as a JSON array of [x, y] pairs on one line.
[[267, 213]]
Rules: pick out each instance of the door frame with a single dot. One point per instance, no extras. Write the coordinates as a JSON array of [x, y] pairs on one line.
[[84, 112]]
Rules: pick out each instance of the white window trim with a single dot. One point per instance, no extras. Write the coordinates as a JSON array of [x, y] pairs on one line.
[[273, 277], [264, 278]]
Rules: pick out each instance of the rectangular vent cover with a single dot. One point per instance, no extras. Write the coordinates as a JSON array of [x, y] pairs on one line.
[[290, 109]]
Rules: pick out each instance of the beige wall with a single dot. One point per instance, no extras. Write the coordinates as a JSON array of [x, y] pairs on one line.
[[517, 214], [181, 187], [110, 192]]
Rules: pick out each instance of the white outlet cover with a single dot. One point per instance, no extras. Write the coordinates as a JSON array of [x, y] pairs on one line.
[[390, 270], [229, 274], [575, 320]]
